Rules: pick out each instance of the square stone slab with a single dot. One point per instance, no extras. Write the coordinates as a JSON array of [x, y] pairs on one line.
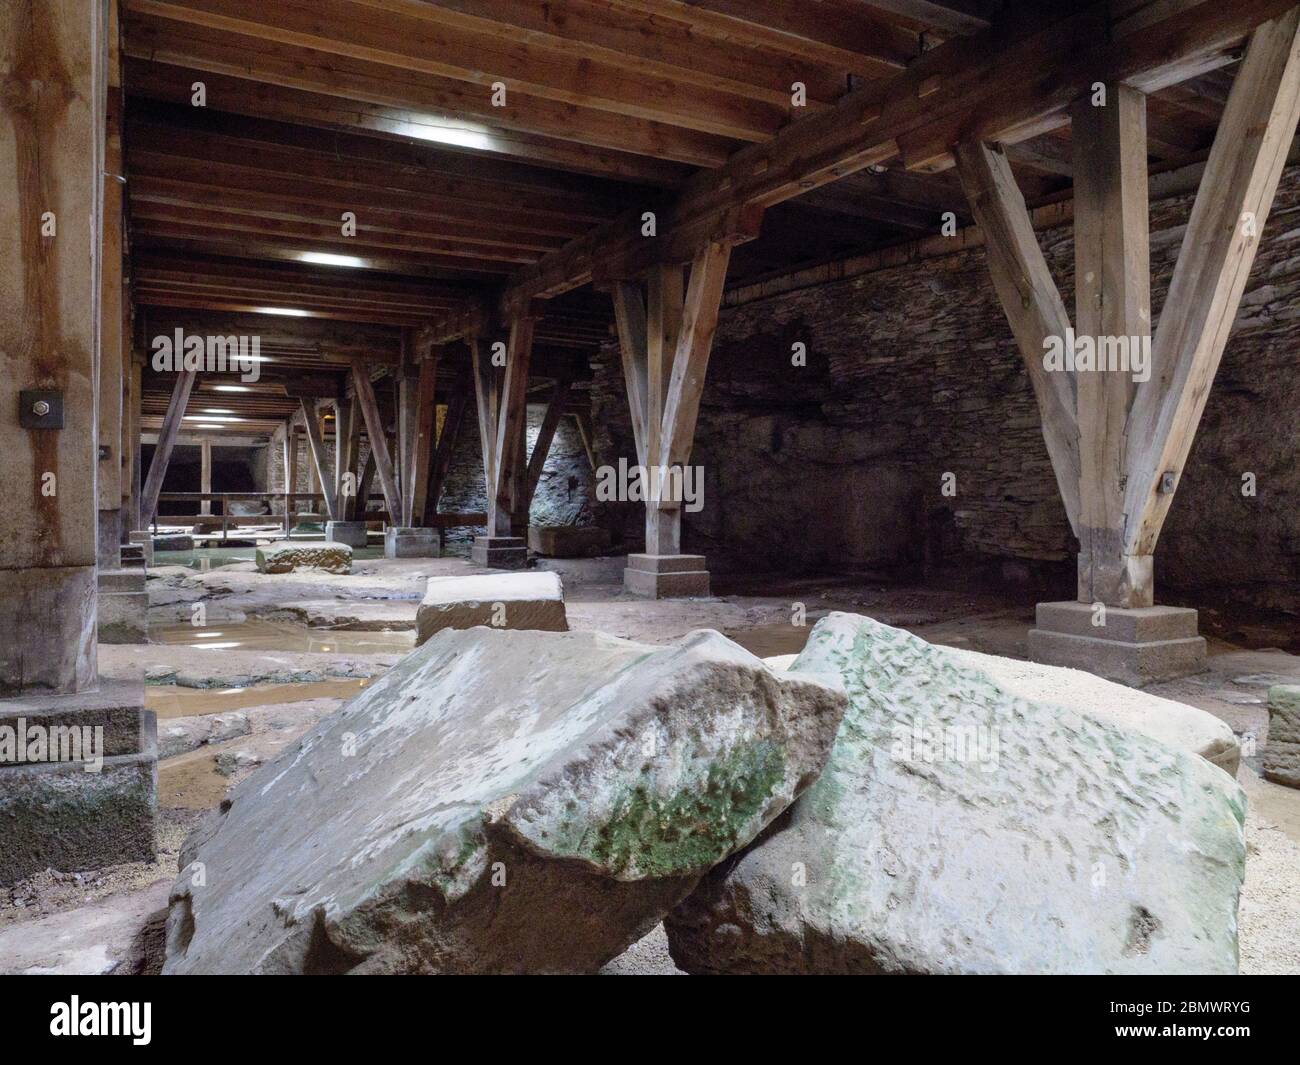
[[500, 600]]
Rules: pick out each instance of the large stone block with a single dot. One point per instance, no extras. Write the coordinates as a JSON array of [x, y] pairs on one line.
[[568, 541], [1134, 646], [499, 802], [666, 576], [402, 542], [77, 780], [352, 533], [959, 828], [500, 600], [285, 556], [499, 552], [1280, 758]]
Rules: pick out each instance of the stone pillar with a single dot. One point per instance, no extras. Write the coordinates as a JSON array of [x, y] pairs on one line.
[[86, 796]]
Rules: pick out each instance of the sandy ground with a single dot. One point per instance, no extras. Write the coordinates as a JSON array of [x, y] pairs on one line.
[[287, 650]]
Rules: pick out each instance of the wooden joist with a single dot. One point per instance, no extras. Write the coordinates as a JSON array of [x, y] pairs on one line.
[[977, 91]]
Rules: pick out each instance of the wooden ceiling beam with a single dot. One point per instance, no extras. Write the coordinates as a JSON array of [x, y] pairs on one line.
[[263, 61], [843, 34], [970, 88], [652, 45], [401, 36]]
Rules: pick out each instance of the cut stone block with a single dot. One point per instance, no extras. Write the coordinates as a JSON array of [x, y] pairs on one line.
[[352, 533], [412, 542], [959, 828], [499, 552], [666, 576], [1280, 758], [1176, 724], [123, 607], [173, 543], [1135, 646], [499, 802], [285, 556], [74, 815], [1164, 720], [568, 541], [504, 601]]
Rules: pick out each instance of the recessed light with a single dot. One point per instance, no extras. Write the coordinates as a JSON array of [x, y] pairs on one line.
[[324, 258], [231, 388], [288, 312]]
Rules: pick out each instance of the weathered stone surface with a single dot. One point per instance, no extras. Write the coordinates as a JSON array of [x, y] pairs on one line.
[[1281, 755], [352, 533], [285, 556], [413, 542], [180, 734], [958, 829], [533, 600], [500, 801], [568, 541], [1175, 724]]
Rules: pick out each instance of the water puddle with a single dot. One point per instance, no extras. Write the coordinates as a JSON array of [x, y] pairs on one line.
[[769, 640], [257, 634], [170, 700]]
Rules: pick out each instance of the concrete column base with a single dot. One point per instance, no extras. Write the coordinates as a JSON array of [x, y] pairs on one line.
[[499, 552], [411, 542], [666, 576], [59, 815], [1135, 646], [352, 533], [123, 606]]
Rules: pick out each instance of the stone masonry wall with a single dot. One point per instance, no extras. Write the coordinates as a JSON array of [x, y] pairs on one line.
[[912, 373]]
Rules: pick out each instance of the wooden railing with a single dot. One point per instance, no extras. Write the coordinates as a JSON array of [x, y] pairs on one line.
[[287, 514]]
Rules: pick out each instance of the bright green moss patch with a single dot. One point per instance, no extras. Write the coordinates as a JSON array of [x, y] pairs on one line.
[[691, 830]]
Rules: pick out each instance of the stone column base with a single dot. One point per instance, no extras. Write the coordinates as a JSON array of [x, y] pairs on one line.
[[352, 533], [666, 576], [55, 813], [499, 552], [123, 606], [403, 542], [1135, 646], [138, 550]]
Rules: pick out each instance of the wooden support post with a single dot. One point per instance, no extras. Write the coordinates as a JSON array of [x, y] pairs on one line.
[[112, 350], [505, 505], [423, 426], [442, 457], [545, 435], [205, 473], [134, 520], [349, 440], [290, 474], [1030, 299], [171, 427], [630, 321], [1218, 249], [365, 482], [378, 440], [487, 397], [587, 435], [316, 447], [1112, 311]]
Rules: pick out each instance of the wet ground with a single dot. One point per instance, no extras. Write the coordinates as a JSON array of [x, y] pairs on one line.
[[288, 650]]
